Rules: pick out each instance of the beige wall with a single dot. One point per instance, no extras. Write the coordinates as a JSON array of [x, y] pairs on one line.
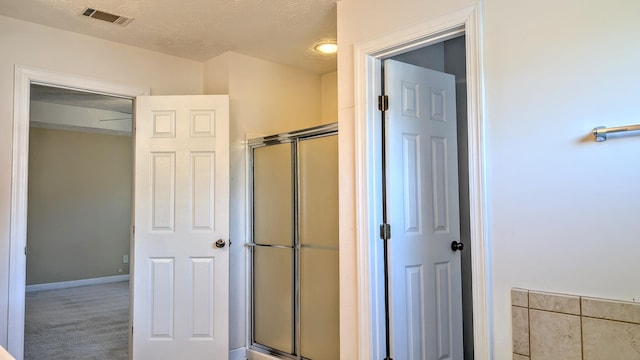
[[266, 98], [79, 205], [329, 97], [561, 209], [37, 46]]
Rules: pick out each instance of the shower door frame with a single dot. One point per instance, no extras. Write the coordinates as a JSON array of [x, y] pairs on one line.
[[293, 138]]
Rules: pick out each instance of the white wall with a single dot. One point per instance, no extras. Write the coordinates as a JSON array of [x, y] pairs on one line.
[[76, 118], [266, 98], [33, 45], [562, 210]]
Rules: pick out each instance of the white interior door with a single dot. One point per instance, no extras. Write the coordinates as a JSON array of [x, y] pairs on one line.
[[181, 278], [423, 210]]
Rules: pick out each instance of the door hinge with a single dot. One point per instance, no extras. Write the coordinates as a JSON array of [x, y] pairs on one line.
[[385, 231], [26, 252], [383, 102]]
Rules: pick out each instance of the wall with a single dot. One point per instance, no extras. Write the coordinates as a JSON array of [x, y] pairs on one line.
[[329, 97], [43, 47], [430, 57], [79, 205], [59, 116], [561, 209], [265, 98]]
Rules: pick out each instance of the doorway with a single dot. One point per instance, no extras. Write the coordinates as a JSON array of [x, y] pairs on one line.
[[369, 58], [24, 78], [427, 206], [79, 221]]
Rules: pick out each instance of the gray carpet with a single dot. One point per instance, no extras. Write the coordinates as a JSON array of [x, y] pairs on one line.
[[88, 322]]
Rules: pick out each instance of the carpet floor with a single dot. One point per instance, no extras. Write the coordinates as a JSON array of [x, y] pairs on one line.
[[83, 323]]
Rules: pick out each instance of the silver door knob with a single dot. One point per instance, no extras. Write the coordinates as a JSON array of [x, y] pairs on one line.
[[220, 243]]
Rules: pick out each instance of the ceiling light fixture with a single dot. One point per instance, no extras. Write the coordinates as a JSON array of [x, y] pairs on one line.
[[326, 47]]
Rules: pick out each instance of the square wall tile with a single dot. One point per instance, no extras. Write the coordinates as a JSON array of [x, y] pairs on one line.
[[520, 297], [520, 324], [554, 336], [610, 340], [611, 309], [567, 304], [520, 357]]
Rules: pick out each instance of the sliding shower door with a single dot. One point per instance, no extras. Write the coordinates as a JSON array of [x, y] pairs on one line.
[[294, 248], [319, 313], [273, 268]]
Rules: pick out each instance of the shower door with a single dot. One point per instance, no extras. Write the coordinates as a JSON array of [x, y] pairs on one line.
[[294, 249]]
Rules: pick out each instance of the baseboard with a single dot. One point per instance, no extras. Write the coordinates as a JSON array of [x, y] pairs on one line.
[[76, 283], [238, 354]]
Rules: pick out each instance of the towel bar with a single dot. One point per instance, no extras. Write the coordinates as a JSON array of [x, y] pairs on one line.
[[601, 131]]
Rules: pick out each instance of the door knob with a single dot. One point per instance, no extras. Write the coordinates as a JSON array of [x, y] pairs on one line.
[[220, 243], [457, 246]]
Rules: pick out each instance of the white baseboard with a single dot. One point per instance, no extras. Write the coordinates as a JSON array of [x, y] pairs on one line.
[[76, 283], [238, 354]]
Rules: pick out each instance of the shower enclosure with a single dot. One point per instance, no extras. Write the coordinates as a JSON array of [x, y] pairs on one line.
[[294, 245]]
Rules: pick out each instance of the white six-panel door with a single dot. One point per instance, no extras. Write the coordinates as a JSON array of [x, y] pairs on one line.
[[423, 210], [180, 290]]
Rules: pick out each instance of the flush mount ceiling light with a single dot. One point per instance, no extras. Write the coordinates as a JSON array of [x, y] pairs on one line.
[[326, 47]]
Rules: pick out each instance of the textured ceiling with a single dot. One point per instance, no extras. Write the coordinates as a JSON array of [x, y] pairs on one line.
[[283, 31]]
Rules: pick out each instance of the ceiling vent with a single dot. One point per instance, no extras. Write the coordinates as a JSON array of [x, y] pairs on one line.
[[105, 16]]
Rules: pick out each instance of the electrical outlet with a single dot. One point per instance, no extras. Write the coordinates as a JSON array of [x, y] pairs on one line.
[[125, 259]]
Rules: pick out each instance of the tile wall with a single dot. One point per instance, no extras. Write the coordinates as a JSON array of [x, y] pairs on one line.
[[550, 326]]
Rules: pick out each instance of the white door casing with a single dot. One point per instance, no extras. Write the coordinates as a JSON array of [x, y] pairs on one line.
[[368, 57], [423, 210], [181, 277], [24, 77]]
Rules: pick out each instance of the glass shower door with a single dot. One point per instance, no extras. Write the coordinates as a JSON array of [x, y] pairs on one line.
[[294, 251], [318, 199], [273, 270]]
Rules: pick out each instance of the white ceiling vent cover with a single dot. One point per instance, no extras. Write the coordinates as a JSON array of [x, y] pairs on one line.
[[108, 17]]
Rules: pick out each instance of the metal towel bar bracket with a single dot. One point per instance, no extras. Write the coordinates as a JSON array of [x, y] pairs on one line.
[[601, 132]]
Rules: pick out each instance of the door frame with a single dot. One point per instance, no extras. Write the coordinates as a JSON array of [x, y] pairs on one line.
[[368, 58], [24, 77]]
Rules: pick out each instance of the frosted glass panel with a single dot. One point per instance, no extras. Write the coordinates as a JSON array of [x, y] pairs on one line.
[[318, 174], [318, 159], [272, 195], [319, 314], [307, 188], [273, 296]]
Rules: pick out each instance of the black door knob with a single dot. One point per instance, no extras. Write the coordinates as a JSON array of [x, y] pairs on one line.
[[457, 246]]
